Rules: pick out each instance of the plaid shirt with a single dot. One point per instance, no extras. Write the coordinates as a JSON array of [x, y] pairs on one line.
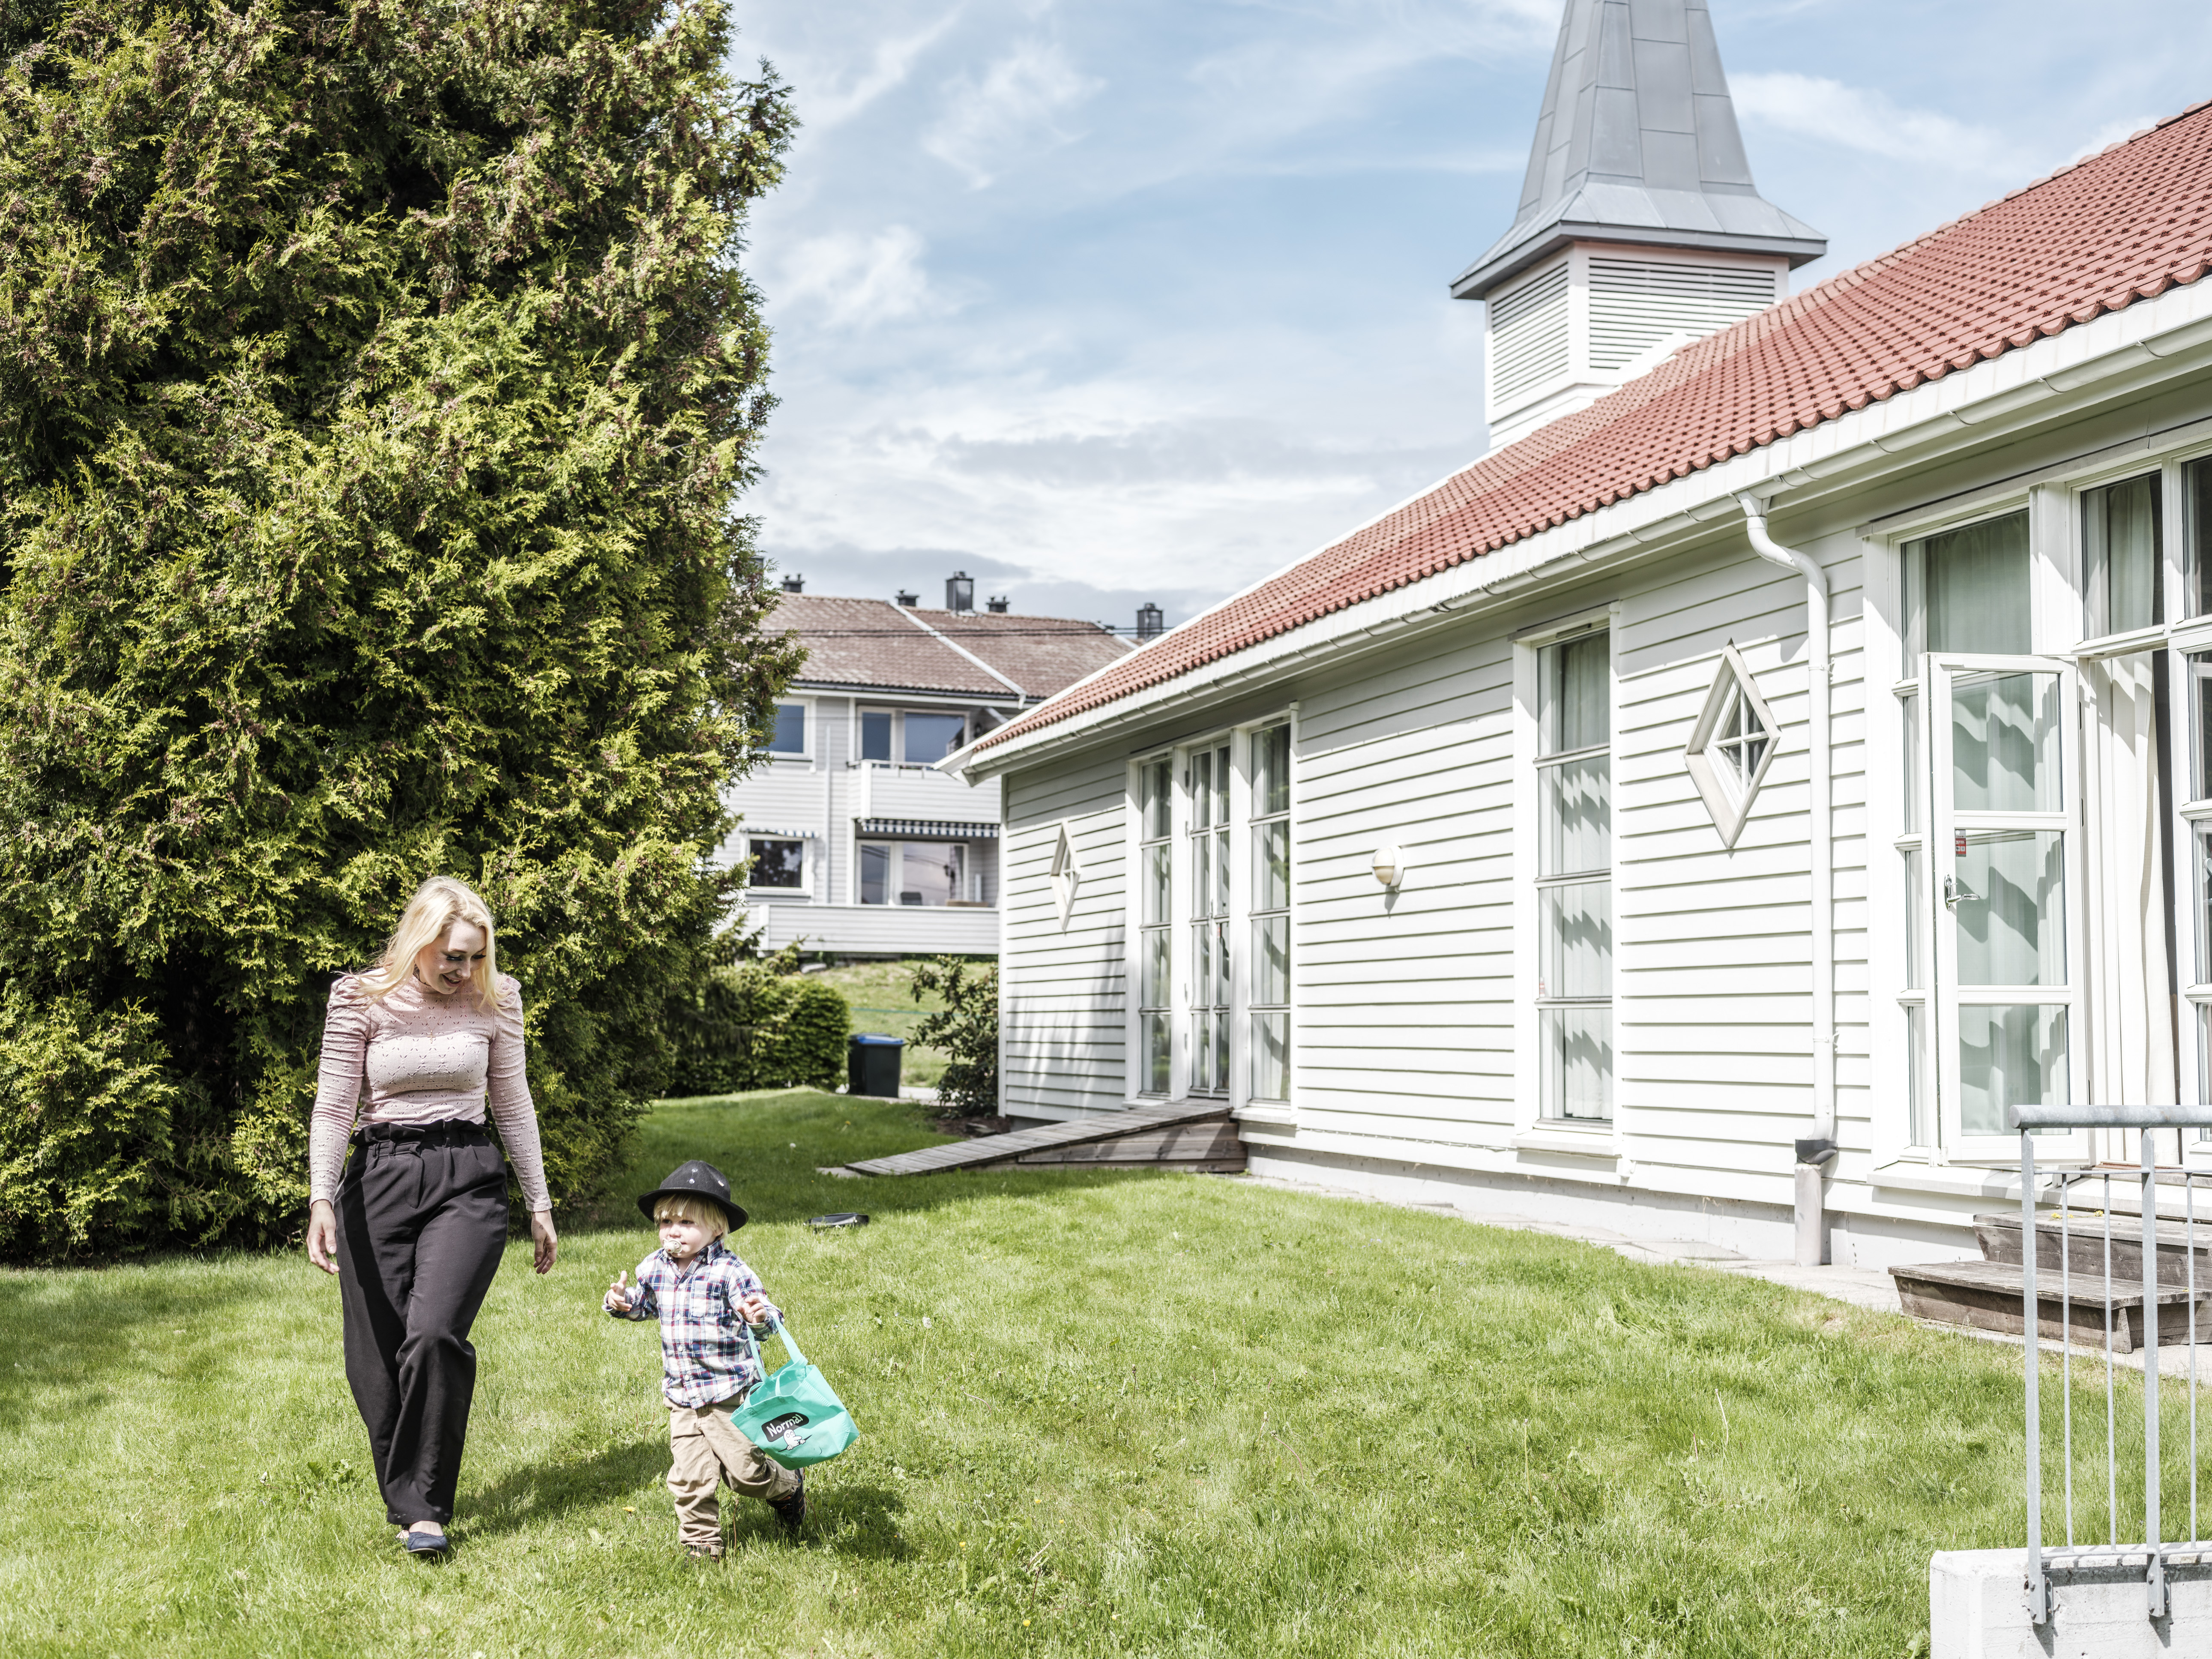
[[702, 1347]]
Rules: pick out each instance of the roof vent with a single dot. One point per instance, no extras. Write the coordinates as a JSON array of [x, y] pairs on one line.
[[1151, 622], [996, 604], [959, 592], [794, 584], [908, 599]]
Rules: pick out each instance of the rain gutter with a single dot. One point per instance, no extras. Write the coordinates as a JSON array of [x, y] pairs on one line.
[[1816, 1153]]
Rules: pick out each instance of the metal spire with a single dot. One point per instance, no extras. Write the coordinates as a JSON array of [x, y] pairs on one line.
[[1638, 142]]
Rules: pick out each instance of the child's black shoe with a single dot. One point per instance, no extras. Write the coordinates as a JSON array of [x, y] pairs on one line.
[[792, 1510]]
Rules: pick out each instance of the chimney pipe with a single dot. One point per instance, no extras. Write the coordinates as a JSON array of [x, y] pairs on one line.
[[794, 584], [1151, 622], [907, 599], [959, 592], [996, 604]]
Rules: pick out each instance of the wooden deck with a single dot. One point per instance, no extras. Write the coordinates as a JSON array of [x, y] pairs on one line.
[[1194, 1135]]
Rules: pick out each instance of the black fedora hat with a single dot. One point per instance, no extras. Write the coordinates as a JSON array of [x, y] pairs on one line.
[[695, 1180]]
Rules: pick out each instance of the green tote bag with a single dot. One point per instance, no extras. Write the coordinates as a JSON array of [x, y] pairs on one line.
[[793, 1415]]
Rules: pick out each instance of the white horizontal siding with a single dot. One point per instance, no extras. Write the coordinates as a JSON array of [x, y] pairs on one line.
[[1404, 1023], [1062, 1007]]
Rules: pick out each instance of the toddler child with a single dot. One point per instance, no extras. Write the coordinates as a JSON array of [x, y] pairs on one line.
[[700, 1291]]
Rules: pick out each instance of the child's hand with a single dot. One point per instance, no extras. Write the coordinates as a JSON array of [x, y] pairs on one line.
[[618, 1295], [757, 1309]]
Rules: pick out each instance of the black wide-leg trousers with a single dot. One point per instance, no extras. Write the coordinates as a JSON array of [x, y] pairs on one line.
[[422, 1224]]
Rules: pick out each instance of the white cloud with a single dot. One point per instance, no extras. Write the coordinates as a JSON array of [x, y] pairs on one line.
[[824, 104], [1862, 119], [2110, 134], [1014, 110], [852, 281]]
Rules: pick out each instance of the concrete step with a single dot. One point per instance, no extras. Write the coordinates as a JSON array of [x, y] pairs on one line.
[[2082, 1240], [1986, 1295]]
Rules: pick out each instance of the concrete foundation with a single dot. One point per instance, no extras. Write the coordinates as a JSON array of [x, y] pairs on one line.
[[1977, 1609], [1757, 1231]]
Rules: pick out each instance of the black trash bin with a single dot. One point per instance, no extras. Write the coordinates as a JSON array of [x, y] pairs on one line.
[[872, 1065]]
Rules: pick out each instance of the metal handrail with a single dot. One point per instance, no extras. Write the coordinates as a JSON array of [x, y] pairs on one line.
[[2027, 1120]]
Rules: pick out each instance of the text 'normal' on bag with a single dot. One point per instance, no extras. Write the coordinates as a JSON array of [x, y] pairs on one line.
[[794, 1416]]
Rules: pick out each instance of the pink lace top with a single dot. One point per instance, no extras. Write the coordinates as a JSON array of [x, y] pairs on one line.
[[427, 1059]]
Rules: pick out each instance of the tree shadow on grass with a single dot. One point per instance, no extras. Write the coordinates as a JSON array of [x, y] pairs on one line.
[[774, 1146], [540, 1493]]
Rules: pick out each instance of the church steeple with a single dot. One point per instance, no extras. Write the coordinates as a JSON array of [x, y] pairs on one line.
[[1639, 228]]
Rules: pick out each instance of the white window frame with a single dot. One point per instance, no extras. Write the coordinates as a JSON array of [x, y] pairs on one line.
[[1064, 875], [1534, 1132], [898, 844], [812, 714], [1182, 1058], [898, 713], [1244, 915], [2056, 609], [808, 859], [1728, 795]]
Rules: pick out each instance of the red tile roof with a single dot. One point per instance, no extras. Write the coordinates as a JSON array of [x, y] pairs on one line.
[[2123, 225], [869, 643]]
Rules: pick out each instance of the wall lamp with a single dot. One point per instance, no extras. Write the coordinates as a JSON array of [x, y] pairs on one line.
[[1391, 867]]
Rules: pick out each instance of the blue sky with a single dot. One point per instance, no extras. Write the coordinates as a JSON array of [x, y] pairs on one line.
[[1111, 300]]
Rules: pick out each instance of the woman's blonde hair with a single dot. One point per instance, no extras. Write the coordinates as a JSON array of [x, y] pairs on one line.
[[438, 903], [704, 1210]]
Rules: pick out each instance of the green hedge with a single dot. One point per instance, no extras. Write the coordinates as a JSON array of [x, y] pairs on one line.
[[751, 1027]]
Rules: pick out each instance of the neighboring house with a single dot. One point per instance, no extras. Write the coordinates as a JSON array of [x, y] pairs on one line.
[[859, 846], [1548, 846]]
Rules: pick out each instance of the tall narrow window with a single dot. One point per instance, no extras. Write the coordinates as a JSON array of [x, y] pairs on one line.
[[1574, 877], [2196, 811], [2197, 498], [1155, 925], [2121, 560], [1209, 919], [1270, 993], [1912, 847]]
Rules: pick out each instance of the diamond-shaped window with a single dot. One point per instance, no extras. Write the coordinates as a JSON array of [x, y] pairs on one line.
[[1732, 745], [1067, 875]]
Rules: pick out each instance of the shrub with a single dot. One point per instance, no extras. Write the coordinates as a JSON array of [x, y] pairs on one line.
[[752, 1027], [967, 1028], [376, 384]]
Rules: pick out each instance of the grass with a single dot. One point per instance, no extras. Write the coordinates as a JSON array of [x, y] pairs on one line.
[[883, 1000], [1104, 1413]]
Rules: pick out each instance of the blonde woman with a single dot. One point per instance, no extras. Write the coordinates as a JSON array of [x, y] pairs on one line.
[[414, 1222]]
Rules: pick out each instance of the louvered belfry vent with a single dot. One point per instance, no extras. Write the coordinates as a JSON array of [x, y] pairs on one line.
[[1528, 334], [1637, 303]]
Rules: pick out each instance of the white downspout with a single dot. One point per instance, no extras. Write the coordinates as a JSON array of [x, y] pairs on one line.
[[1815, 1153]]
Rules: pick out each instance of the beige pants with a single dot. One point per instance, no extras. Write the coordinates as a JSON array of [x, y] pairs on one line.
[[707, 1450]]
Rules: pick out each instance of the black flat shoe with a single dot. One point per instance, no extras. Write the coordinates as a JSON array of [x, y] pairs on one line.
[[425, 1543]]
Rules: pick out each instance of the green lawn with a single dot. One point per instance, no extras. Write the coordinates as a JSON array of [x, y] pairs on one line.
[[1109, 1413], [883, 1000]]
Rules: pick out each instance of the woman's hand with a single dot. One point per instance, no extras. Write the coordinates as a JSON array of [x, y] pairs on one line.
[[542, 1235], [323, 1236]]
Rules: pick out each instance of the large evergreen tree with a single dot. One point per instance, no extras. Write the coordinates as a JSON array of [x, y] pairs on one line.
[[376, 380]]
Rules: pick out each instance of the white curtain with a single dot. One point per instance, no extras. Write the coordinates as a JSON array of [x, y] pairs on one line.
[[2132, 1040]]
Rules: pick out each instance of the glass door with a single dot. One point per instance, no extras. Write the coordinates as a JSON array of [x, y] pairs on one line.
[[2004, 896]]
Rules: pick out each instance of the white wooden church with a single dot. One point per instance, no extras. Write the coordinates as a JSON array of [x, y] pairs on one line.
[[1796, 729]]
